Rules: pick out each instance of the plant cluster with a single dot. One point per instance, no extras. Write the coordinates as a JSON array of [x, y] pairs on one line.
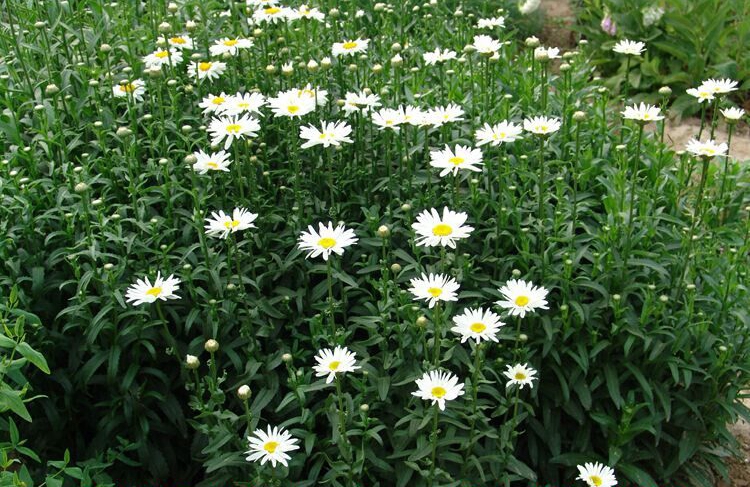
[[363, 244]]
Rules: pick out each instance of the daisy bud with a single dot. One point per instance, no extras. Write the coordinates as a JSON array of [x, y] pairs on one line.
[[405, 207], [569, 55], [364, 408], [541, 55], [602, 90], [663, 298], [77, 169], [334, 12], [154, 72], [14, 172], [172, 82], [165, 27], [244, 392], [352, 68], [52, 89], [469, 49], [257, 32], [690, 287], [231, 287], [147, 117], [564, 67], [665, 91], [722, 348], [270, 69], [396, 268], [40, 25], [458, 13], [81, 187], [299, 373], [161, 42], [105, 48], [287, 69], [651, 287], [532, 42], [384, 91], [326, 62], [616, 297], [192, 362], [211, 345], [621, 147], [421, 322], [172, 7], [563, 307], [340, 102], [187, 267], [312, 66], [379, 7], [516, 273], [186, 128], [191, 25], [93, 82], [579, 116], [383, 231], [188, 88], [123, 132], [108, 266], [397, 60], [415, 8], [583, 42], [523, 337], [287, 357], [396, 47]]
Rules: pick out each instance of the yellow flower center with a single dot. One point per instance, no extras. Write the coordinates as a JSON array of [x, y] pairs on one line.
[[162, 54], [154, 291], [292, 108], [204, 66], [334, 365], [710, 152], [503, 135], [230, 42], [127, 88], [349, 45], [271, 446], [218, 100], [232, 224], [456, 160], [646, 116], [596, 480], [327, 242], [442, 230], [177, 40], [272, 10], [438, 392], [520, 376], [543, 128], [522, 300], [435, 291], [212, 164], [309, 93], [478, 327], [233, 128]]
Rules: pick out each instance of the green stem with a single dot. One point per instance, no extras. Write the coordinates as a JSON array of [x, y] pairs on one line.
[[433, 438]]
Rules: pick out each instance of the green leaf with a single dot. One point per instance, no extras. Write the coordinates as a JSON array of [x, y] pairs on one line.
[[33, 356]]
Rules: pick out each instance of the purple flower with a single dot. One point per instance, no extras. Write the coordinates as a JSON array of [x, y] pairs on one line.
[[608, 25]]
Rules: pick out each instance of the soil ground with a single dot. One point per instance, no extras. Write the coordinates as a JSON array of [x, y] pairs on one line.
[[557, 33]]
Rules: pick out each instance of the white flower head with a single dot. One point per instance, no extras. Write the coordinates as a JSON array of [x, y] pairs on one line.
[[163, 57], [444, 114], [541, 125], [485, 44], [702, 93], [433, 288], [522, 297], [433, 229], [208, 70], [597, 475], [438, 56], [135, 89], [719, 86], [326, 240], [221, 225], [388, 118], [438, 387], [271, 14], [214, 103], [453, 160], [528, 6], [271, 445], [733, 113], [520, 375], [629, 48], [477, 324], [330, 133], [144, 292], [349, 47], [503, 132], [643, 113], [291, 103], [216, 161], [182, 41], [336, 361], [244, 103], [709, 148], [230, 128], [230, 46], [491, 23], [360, 102]]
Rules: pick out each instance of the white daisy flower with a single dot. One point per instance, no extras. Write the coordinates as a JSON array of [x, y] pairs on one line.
[[144, 292], [477, 324], [388, 118], [229, 46], [305, 12], [438, 387], [541, 125], [528, 6], [214, 103], [433, 230], [271, 14], [412, 115], [643, 113], [503, 132], [438, 56], [720, 86], [216, 161], [702, 93], [336, 361], [485, 44], [546, 53], [135, 88], [733, 113], [360, 102], [230, 128], [708, 148], [491, 23], [319, 95], [350, 47], [630, 48], [292, 103], [520, 375], [244, 103], [179, 41], [596, 475], [221, 225], [451, 161], [162, 57], [433, 288], [522, 297], [206, 69], [326, 240], [271, 445], [447, 114], [330, 133]]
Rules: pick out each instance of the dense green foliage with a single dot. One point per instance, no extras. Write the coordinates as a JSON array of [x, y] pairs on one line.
[[689, 40], [641, 355]]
